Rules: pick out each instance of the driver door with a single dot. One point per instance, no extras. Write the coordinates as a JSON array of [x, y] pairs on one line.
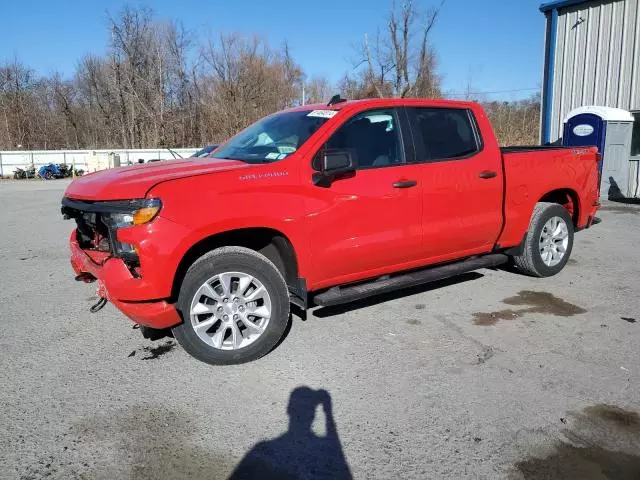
[[369, 222]]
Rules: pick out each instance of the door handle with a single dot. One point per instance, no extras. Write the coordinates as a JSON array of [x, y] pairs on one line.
[[487, 174], [405, 184]]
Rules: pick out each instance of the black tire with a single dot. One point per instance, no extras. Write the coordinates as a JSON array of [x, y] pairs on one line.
[[233, 259], [530, 261]]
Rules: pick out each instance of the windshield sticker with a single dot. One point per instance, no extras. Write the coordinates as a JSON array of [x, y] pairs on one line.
[[286, 149], [322, 113], [272, 156]]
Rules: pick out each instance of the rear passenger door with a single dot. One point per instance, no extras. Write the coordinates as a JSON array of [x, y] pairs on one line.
[[461, 181]]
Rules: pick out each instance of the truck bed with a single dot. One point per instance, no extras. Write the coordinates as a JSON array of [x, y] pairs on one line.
[[568, 176]]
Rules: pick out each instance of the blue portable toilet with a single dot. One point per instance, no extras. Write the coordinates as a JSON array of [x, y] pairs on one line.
[[610, 130]]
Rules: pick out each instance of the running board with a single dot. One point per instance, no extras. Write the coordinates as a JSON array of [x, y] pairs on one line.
[[338, 295]]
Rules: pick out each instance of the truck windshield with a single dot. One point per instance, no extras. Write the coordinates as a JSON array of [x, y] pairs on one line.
[[272, 138]]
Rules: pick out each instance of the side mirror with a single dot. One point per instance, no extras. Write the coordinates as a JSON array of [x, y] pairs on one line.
[[334, 163]]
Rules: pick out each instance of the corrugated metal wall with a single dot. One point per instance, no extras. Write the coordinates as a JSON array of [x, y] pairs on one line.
[[597, 59]]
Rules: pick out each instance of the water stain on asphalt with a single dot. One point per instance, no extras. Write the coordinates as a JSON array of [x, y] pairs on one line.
[[616, 416], [602, 443], [492, 318], [629, 319], [155, 352], [414, 322], [531, 302], [138, 443], [486, 354], [420, 306], [620, 209], [572, 261]]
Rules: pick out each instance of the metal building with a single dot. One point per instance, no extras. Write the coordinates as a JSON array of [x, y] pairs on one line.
[[592, 57]]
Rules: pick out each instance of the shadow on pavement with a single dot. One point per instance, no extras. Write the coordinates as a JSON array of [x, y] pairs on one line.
[[298, 453]]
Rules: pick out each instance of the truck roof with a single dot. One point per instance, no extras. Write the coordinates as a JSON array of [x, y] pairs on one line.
[[384, 102]]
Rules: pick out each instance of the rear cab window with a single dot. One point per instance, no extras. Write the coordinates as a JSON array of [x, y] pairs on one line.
[[443, 134]]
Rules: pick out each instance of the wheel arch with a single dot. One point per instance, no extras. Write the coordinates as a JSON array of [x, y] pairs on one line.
[[270, 242], [566, 197]]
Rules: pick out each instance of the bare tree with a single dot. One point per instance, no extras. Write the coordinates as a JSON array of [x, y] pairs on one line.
[[515, 122], [243, 80], [155, 87], [400, 61], [318, 89]]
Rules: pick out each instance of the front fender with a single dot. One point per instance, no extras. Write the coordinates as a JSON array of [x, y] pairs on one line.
[[223, 202]]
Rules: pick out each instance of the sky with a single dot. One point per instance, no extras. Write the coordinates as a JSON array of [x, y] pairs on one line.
[[490, 45]]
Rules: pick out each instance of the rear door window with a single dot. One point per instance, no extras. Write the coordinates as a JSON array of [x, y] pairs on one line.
[[442, 134]]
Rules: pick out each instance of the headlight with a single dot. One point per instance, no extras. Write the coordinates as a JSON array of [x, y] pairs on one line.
[[134, 212], [127, 213]]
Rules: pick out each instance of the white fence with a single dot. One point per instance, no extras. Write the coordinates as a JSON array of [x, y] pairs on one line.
[[87, 160]]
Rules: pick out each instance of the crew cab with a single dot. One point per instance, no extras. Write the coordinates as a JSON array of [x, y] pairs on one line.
[[321, 205]]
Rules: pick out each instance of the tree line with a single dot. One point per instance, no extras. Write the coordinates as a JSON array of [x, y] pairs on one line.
[[157, 86]]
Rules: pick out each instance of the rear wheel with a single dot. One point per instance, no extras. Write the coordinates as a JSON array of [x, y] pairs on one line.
[[235, 307], [549, 241]]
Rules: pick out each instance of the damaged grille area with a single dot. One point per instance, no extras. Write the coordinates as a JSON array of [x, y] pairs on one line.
[[98, 223], [93, 233]]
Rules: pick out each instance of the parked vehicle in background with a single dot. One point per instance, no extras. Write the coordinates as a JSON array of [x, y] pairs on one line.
[[58, 170], [322, 204], [205, 151], [51, 171], [29, 172]]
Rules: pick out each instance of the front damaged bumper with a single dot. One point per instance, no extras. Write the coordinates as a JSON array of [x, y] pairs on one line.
[[116, 281]]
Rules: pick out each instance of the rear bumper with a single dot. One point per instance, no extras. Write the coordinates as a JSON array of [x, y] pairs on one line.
[[116, 283]]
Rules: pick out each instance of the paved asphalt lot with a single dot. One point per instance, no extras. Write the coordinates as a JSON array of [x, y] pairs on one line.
[[494, 375]]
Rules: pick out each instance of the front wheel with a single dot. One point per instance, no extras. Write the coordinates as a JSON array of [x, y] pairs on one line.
[[235, 307], [548, 243]]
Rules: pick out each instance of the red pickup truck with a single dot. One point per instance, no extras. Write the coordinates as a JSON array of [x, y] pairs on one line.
[[321, 205]]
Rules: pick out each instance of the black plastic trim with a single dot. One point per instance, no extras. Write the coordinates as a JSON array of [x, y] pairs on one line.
[[298, 294], [109, 206], [516, 249], [350, 293], [528, 148]]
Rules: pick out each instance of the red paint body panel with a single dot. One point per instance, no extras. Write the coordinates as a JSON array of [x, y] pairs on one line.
[[359, 227], [124, 183], [530, 175], [115, 280], [463, 212]]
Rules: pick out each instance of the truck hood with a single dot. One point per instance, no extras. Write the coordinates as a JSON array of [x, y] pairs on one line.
[[134, 182]]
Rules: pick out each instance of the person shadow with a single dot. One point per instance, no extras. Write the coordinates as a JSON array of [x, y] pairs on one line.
[[298, 453]]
